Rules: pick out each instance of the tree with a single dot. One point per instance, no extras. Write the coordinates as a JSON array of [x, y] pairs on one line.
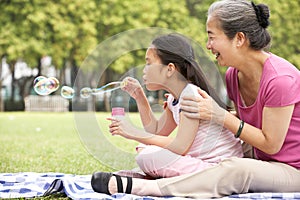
[[18, 40], [284, 29], [69, 31]]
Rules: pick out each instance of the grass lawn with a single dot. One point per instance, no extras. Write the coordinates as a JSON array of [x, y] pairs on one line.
[[52, 142]]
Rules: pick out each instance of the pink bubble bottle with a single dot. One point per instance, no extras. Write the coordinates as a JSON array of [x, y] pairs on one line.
[[118, 112]]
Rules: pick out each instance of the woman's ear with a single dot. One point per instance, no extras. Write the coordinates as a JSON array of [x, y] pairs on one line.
[[240, 39]]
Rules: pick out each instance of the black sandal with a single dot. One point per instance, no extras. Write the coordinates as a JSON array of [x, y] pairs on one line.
[[100, 181]]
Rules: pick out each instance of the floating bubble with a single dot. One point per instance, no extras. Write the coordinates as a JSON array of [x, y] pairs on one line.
[[41, 87], [53, 84], [67, 92], [85, 92], [45, 86], [37, 79]]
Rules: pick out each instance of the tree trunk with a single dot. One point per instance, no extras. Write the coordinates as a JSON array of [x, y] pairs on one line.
[[12, 69], [39, 66], [1, 99]]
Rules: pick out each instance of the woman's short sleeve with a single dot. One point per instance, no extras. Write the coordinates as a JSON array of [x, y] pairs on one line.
[[282, 91]]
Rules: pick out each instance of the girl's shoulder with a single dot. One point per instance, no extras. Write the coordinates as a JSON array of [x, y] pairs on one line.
[[190, 89]]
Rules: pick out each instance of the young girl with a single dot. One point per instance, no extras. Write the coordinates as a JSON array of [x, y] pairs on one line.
[[170, 66]]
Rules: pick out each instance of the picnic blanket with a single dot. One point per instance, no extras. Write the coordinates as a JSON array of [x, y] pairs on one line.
[[31, 184]]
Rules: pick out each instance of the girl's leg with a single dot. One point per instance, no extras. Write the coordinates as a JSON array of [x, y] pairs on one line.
[[159, 162], [234, 175], [140, 187]]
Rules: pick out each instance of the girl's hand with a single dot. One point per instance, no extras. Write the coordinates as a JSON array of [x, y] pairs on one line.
[[165, 102], [125, 129], [203, 107], [132, 87]]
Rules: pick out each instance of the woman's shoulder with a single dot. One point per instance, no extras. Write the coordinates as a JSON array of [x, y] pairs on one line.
[[280, 84], [278, 71], [278, 66]]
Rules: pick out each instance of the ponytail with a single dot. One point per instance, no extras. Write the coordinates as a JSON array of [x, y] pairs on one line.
[[196, 76]]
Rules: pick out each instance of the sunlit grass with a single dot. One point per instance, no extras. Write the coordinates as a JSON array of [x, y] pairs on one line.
[[49, 142]]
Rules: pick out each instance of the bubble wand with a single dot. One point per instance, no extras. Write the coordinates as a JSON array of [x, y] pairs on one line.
[[86, 92]]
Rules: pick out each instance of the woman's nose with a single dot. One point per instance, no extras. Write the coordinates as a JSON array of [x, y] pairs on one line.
[[208, 45]]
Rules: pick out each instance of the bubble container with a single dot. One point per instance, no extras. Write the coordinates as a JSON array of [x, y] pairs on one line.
[[118, 112]]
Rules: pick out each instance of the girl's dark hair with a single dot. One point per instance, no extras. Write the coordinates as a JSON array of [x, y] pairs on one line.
[[176, 49]]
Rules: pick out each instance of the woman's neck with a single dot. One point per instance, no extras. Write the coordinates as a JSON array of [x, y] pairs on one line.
[[249, 76], [252, 65]]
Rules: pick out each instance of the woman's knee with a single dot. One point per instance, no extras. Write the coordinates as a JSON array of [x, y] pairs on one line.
[[241, 166]]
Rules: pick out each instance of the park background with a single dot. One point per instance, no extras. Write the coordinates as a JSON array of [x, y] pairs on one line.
[[52, 38]]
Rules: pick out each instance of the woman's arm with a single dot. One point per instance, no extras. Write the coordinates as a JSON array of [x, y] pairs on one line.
[[269, 139]]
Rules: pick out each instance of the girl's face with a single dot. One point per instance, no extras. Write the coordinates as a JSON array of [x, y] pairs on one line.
[[153, 70], [218, 42]]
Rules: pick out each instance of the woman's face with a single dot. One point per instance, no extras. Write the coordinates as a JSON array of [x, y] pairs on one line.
[[218, 43], [153, 70]]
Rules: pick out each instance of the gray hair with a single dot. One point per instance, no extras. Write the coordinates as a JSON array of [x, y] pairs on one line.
[[243, 16]]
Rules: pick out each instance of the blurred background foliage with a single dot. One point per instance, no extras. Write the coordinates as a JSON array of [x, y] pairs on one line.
[[69, 30]]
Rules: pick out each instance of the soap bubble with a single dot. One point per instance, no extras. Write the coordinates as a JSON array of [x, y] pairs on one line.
[[37, 79], [53, 84], [41, 86], [45, 86], [67, 92], [85, 92]]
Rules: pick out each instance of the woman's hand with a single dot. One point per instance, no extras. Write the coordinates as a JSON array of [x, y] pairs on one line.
[[202, 107], [132, 87]]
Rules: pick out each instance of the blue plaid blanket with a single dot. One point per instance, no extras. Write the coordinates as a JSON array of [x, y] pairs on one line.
[[30, 184]]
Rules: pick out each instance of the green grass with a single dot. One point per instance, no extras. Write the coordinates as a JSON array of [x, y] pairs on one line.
[[52, 142]]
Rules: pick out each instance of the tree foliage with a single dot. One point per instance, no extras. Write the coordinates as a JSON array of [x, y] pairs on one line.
[[285, 29], [70, 30]]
